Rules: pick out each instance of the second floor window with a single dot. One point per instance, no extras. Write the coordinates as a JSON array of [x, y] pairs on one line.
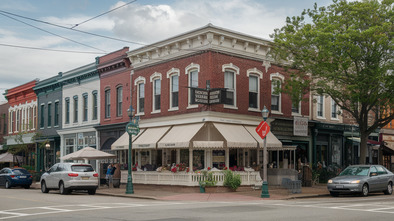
[[253, 91], [107, 103], [320, 105], [157, 94], [295, 108], [141, 97], [56, 114], [193, 82], [42, 116], [67, 111], [334, 109], [230, 86], [94, 117], [85, 107], [119, 101], [75, 109], [49, 115], [275, 95], [174, 90]]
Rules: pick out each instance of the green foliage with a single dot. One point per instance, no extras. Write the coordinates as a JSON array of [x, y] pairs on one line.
[[231, 179], [343, 51], [208, 179]]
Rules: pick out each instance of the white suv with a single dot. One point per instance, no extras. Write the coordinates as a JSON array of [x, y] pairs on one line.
[[70, 176]]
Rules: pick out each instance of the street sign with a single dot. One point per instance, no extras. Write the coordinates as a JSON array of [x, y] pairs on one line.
[[207, 96], [263, 129], [132, 129]]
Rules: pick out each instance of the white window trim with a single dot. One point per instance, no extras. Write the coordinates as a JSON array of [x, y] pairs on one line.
[[334, 118], [317, 110], [235, 69], [191, 67], [259, 74], [139, 80], [281, 78], [154, 77], [170, 73]]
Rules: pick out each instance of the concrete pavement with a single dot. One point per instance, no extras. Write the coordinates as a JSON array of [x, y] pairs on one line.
[[179, 193]]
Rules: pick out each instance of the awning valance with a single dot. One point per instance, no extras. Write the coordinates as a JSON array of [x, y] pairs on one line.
[[150, 137], [122, 143], [179, 136], [236, 136], [208, 144], [272, 141]]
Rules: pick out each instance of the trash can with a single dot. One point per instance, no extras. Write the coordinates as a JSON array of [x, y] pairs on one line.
[[202, 189], [116, 177]]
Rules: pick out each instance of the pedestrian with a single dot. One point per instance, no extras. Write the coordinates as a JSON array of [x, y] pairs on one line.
[[113, 168], [108, 175]]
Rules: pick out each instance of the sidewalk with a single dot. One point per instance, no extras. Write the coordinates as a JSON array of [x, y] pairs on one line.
[[193, 194]]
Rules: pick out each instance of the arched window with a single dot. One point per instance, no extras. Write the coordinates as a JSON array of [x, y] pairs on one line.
[[276, 98], [254, 88], [156, 85], [192, 70], [140, 83], [173, 75], [230, 83]]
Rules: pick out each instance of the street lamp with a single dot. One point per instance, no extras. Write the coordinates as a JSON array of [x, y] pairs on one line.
[[129, 186], [264, 188]]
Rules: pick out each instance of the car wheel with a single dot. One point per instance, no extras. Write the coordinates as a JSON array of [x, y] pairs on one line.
[[91, 192], [334, 194], [7, 184], [26, 186], [364, 190], [63, 190], [389, 189], [44, 188]]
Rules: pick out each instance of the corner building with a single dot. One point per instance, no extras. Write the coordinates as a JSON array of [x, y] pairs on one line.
[[178, 132]]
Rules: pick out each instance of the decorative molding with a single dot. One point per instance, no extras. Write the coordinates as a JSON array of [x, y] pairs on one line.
[[155, 75], [254, 71], [233, 42], [192, 66], [138, 80], [278, 76], [173, 71], [230, 66], [246, 44], [267, 65]]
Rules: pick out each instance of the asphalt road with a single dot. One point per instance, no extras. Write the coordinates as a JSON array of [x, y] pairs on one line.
[[21, 204]]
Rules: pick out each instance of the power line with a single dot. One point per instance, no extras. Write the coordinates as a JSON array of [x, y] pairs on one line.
[[47, 49], [102, 14], [51, 32], [64, 27]]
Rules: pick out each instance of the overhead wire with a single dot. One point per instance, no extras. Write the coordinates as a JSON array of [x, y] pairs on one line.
[[51, 32], [102, 14], [48, 49]]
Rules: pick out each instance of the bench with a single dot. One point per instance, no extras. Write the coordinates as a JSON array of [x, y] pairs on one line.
[[294, 186]]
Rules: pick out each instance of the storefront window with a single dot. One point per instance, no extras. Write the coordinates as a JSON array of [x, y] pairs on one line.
[[198, 160], [218, 159]]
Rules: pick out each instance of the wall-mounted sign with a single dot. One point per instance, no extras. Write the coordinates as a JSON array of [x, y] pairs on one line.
[[300, 126], [207, 96]]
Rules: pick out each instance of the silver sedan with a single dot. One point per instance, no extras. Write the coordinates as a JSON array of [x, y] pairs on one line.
[[362, 179]]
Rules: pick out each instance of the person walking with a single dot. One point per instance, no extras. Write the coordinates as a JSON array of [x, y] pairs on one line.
[[113, 168], [108, 175]]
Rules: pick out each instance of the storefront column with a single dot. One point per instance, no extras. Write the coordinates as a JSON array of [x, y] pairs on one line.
[[178, 156], [244, 160], [258, 156], [190, 159], [150, 156], [227, 156]]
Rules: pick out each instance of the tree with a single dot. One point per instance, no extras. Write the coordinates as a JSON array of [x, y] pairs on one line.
[[344, 51]]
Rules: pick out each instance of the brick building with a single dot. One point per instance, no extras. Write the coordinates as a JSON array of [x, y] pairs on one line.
[[22, 120], [3, 122], [170, 81]]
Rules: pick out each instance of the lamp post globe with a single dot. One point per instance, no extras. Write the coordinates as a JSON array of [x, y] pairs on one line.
[[264, 188]]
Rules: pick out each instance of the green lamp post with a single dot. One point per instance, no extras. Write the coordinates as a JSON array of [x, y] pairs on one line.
[[264, 188], [132, 128]]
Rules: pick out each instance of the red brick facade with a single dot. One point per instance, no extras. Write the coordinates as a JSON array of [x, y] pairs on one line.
[[211, 69]]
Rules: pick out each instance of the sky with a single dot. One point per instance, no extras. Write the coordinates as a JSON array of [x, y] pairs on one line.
[[39, 39]]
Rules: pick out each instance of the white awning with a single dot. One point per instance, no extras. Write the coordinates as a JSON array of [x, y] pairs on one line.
[[179, 136], [272, 141], [122, 143], [150, 137], [208, 144], [236, 136]]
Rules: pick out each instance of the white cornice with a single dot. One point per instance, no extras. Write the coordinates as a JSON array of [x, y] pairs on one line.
[[206, 38]]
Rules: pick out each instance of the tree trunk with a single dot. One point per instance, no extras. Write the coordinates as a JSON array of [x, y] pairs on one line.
[[363, 147]]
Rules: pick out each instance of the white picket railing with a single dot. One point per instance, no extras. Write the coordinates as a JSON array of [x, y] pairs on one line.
[[186, 179]]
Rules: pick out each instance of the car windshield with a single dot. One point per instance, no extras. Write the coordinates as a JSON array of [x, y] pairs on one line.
[[20, 171], [355, 171], [82, 168]]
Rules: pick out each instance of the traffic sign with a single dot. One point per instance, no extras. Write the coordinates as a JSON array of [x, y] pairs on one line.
[[263, 129]]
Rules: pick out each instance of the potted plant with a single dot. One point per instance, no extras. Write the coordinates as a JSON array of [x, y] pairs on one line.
[[231, 180], [208, 181]]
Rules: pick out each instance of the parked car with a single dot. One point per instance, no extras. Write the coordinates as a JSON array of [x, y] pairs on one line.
[[70, 176], [362, 179], [15, 177]]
